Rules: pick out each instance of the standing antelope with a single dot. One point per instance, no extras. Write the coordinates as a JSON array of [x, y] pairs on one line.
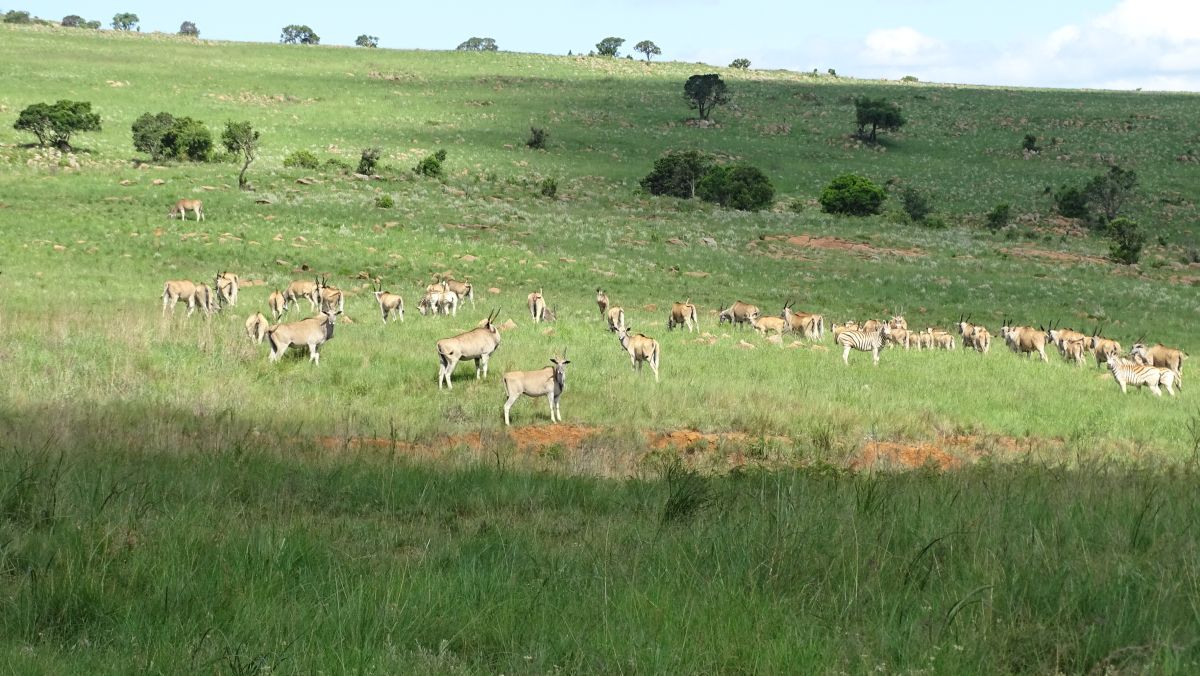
[[461, 289], [177, 291], [806, 324], [537, 306], [602, 301], [302, 288], [477, 344], [183, 206], [967, 330], [981, 339], [616, 318], [641, 348], [901, 337], [939, 339], [766, 324], [1024, 339], [1159, 355], [1061, 337], [256, 327], [1102, 347], [738, 313], [547, 382], [443, 301], [898, 322], [313, 332], [277, 304], [389, 303], [1128, 373], [683, 314], [226, 285], [863, 341], [332, 298]]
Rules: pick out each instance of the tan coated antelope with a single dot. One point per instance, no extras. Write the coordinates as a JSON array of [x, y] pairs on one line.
[[313, 332], [967, 330], [863, 341], [683, 314], [302, 288], [807, 324], [898, 322], [277, 304], [838, 329], [641, 348], [389, 303], [602, 302], [547, 382], [1129, 373], [981, 339], [615, 317], [939, 339], [183, 206], [901, 337], [537, 306], [1025, 340], [226, 285], [461, 289], [256, 327], [332, 298], [1103, 347], [739, 313], [184, 291], [1060, 338], [765, 325], [1159, 355], [871, 325], [443, 301], [478, 344]]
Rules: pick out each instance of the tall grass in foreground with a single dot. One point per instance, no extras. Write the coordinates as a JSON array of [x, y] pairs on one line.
[[241, 561]]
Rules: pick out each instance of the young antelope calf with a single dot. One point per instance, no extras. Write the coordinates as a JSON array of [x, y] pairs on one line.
[[548, 382], [641, 349]]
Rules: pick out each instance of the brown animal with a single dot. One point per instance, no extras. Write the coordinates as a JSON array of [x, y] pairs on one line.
[[256, 327], [183, 206], [738, 313], [547, 382], [478, 344], [683, 314], [537, 306], [641, 349], [277, 304], [313, 332], [1159, 355]]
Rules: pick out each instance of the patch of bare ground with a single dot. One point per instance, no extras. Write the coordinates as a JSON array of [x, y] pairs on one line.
[[1056, 256], [784, 246]]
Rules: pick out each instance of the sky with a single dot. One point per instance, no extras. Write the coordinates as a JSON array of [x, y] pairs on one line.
[[1106, 44]]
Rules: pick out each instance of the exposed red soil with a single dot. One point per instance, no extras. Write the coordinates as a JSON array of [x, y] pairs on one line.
[[834, 244]]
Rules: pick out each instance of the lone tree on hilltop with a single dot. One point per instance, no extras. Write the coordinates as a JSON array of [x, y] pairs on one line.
[[878, 114], [366, 41], [648, 48], [241, 139], [610, 47], [54, 124], [189, 29], [740, 64], [704, 92], [72, 21], [299, 35], [125, 21], [477, 45]]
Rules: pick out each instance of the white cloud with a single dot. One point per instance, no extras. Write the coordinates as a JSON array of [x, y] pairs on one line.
[[1172, 21], [902, 46]]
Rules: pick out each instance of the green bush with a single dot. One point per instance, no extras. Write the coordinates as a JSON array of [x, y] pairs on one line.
[[15, 16], [916, 204], [1071, 202], [742, 187], [537, 138], [385, 202], [999, 217], [1030, 143], [368, 161], [303, 159], [337, 164], [740, 64], [164, 136], [431, 166], [852, 195], [549, 187], [677, 173], [55, 123], [1128, 238]]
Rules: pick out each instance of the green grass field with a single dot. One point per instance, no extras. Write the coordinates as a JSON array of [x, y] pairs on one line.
[[353, 517]]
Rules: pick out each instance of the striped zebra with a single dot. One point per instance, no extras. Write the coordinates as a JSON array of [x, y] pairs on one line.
[[863, 341], [1128, 373]]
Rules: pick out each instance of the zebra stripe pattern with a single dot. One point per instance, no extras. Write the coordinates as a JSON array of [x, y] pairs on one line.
[[863, 341], [1127, 373]]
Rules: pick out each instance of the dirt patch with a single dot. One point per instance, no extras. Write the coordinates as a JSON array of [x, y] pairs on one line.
[[945, 453], [693, 439], [1057, 256], [830, 244]]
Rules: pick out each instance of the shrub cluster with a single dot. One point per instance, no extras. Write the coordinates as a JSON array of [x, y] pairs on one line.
[[431, 166], [852, 195], [690, 173], [999, 217], [164, 136], [916, 204], [537, 138], [55, 123], [368, 161], [302, 158], [1128, 238]]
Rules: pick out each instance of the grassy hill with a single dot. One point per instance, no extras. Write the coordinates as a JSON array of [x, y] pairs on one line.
[[242, 496]]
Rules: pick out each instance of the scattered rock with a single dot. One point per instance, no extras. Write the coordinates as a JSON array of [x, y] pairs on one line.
[[744, 345], [127, 182], [494, 291], [548, 332], [708, 241], [676, 241], [361, 177], [566, 260], [650, 308], [157, 181], [508, 325], [306, 181], [262, 200], [280, 261], [59, 247], [695, 273], [775, 340], [468, 258]]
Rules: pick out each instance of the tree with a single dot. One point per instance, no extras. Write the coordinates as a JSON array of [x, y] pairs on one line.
[[72, 21], [916, 204], [149, 131], [366, 41], [610, 47], [125, 21], [54, 124], [477, 45], [852, 195], [677, 173], [704, 92], [1127, 241], [299, 35], [742, 187], [648, 48], [1109, 192], [241, 139], [17, 16], [878, 114], [189, 29], [740, 64]]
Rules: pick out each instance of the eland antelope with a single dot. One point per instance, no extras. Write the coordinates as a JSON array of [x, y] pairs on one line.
[[641, 348], [546, 382], [313, 332], [478, 344]]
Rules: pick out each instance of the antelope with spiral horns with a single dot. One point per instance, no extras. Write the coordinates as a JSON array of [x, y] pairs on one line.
[[807, 324], [683, 314], [313, 332], [183, 206], [546, 382], [302, 288], [1024, 339], [1102, 347], [602, 301], [1159, 355], [478, 344], [332, 298], [389, 303], [641, 348], [185, 291]]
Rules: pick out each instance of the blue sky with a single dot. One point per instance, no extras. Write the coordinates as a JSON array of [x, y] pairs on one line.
[[1121, 44]]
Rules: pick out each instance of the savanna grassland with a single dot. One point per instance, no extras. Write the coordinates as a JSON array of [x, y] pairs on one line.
[[169, 501]]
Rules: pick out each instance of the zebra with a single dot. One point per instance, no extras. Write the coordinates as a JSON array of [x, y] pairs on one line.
[[863, 341], [1128, 373]]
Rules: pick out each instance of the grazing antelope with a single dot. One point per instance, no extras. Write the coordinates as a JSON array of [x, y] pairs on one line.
[[738, 313], [537, 306], [602, 301], [1129, 373], [1159, 355], [807, 324], [1060, 337], [616, 318], [838, 329], [863, 341], [641, 348], [256, 327], [226, 285], [177, 291], [1073, 350], [389, 303], [183, 206], [766, 324], [1024, 339], [313, 332], [1103, 348], [683, 314], [477, 344], [547, 382], [302, 288], [277, 304], [332, 299], [461, 289]]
